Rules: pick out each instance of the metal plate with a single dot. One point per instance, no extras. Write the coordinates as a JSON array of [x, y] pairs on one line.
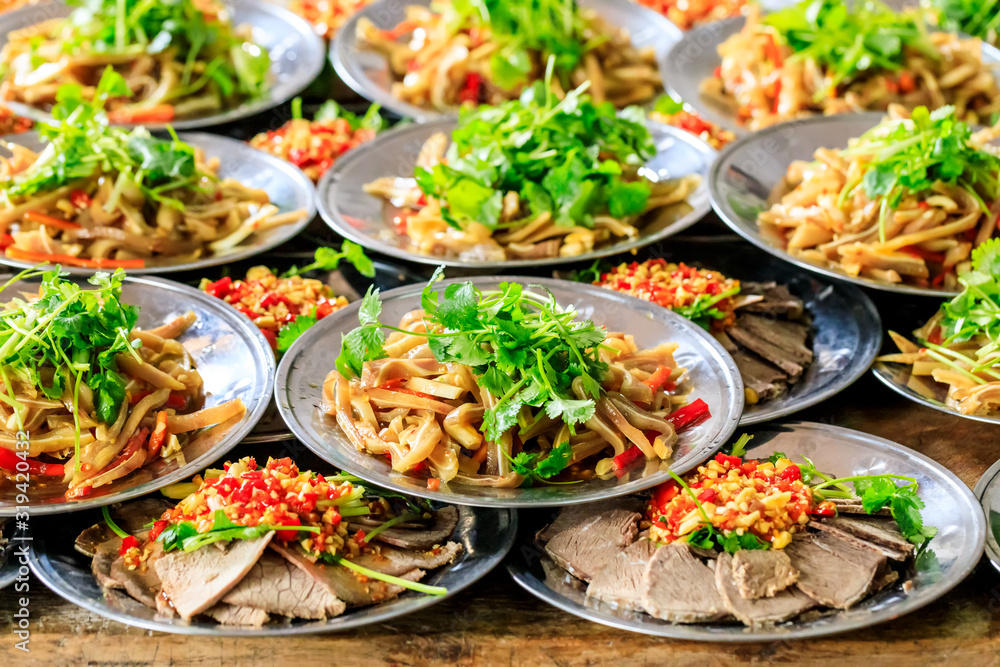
[[485, 534], [356, 215], [712, 371], [750, 170], [367, 72], [297, 55], [220, 341], [9, 560], [846, 327], [285, 184], [988, 492], [839, 451], [695, 57]]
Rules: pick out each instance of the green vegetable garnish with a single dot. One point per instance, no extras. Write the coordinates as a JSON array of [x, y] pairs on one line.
[[707, 536], [536, 469], [979, 18], [525, 349], [573, 159], [850, 42], [184, 536]]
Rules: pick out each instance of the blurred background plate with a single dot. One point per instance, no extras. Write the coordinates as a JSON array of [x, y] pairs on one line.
[[220, 341], [297, 55], [712, 372], [364, 218], [988, 492], [285, 184], [367, 71], [950, 506]]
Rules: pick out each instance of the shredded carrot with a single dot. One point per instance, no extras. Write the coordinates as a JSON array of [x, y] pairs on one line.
[[14, 252], [161, 113], [49, 221]]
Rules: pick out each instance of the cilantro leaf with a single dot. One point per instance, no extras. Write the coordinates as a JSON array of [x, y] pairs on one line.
[[291, 333], [536, 469], [328, 259], [570, 411]]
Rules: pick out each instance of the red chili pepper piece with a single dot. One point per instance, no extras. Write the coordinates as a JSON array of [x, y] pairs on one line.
[[690, 415], [128, 543]]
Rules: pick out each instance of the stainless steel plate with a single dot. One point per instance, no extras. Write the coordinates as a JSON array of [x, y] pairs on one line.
[[713, 376], [296, 56], [842, 452], [367, 72], [695, 57], [285, 184], [988, 492], [485, 534], [234, 360], [9, 560], [748, 172], [846, 327], [361, 217]]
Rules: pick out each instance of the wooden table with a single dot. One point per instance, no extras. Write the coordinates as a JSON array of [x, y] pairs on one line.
[[495, 622]]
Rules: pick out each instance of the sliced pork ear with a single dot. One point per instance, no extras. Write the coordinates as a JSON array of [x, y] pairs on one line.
[[783, 605], [276, 586], [193, 581], [394, 562], [342, 582], [246, 616], [832, 571], [875, 529], [621, 582], [104, 557], [573, 515], [678, 587], [445, 521], [762, 573], [590, 545]]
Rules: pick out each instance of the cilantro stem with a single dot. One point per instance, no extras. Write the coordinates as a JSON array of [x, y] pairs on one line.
[[111, 524], [701, 509], [855, 478], [389, 579], [395, 521]]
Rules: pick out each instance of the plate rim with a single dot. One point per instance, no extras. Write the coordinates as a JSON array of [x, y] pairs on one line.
[[728, 425], [486, 565], [232, 439], [734, 220], [524, 578], [879, 371], [310, 68], [982, 486], [281, 236], [329, 211]]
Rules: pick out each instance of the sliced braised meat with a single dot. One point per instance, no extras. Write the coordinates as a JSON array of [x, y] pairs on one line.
[[789, 337], [879, 530], [105, 555], [886, 576], [590, 545], [777, 300], [445, 521], [767, 350], [93, 537], [762, 573], [621, 582], [559, 580], [276, 586], [133, 518], [195, 580], [678, 587], [854, 506], [141, 582], [782, 606], [229, 615], [764, 379], [394, 562], [344, 583], [727, 342], [832, 571], [837, 531], [573, 515]]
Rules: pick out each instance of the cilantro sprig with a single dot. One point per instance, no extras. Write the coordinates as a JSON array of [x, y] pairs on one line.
[[979, 18], [847, 41], [184, 535], [526, 350], [330, 111], [571, 158], [536, 468]]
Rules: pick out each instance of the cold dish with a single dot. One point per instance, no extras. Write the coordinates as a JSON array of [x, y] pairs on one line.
[[763, 325], [99, 196], [561, 177], [88, 397], [675, 113], [757, 542], [686, 14], [816, 57], [327, 16], [488, 51], [904, 203], [179, 60], [11, 123], [250, 544]]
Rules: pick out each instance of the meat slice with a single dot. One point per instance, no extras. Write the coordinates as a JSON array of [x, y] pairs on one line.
[[445, 521], [196, 580], [727, 342], [768, 351], [343, 583], [789, 337], [878, 530], [589, 546], [832, 571], [277, 587], [678, 587], [394, 562], [837, 531], [141, 582], [573, 515], [764, 379], [762, 573], [229, 615], [785, 604], [621, 582], [777, 300], [854, 506], [104, 557]]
